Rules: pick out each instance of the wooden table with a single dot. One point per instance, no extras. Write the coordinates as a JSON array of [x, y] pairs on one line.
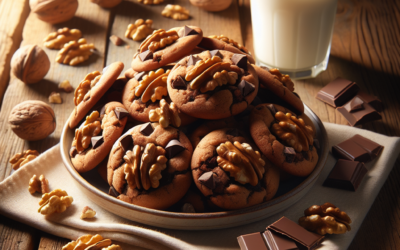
[[365, 49]]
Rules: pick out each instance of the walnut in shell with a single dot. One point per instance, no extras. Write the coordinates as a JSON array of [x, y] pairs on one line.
[[30, 64], [107, 3], [32, 120], [212, 5], [54, 11]]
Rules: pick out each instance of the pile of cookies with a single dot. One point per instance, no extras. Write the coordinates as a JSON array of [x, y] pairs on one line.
[[192, 126]]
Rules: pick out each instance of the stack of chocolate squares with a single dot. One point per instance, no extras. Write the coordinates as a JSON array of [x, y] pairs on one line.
[[355, 105]]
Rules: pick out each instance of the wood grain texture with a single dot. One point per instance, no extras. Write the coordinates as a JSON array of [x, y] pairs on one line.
[[51, 242], [17, 236], [13, 14]]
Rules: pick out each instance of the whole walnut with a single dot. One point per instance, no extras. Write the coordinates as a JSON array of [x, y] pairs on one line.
[[30, 64], [212, 5], [32, 120], [54, 11], [107, 3]]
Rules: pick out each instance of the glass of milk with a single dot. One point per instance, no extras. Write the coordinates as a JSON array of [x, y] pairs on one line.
[[293, 35]]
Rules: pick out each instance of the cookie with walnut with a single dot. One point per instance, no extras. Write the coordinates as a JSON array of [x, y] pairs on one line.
[[213, 84], [149, 166], [284, 138], [228, 169]]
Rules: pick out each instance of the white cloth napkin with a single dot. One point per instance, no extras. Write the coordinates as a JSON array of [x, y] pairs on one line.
[[17, 203]]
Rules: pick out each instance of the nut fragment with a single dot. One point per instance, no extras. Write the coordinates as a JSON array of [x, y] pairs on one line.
[[231, 42], [116, 40], [284, 79], [89, 242], [219, 79], [82, 92], [176, 12], [87, 213], [293, 131], [40, 185], [208, 75], [66, 86], [30, 64], [200, 66], [156, 89], [241, 161], [74, 53], [325, 219], [140, 30], [146, 80], [56, 201], [55, 98], [56, 40], [151, 1], [84, 134], [20, 159], [143, 168], [54, 11], [166, 114], [159, 39]]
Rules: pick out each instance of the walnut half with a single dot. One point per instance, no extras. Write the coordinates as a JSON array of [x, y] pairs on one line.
[[139, 30], [20, 159], [91, 242], [40, 185], [74, 52], [56, 201], [176, 12], [166, 114], [84, 134]]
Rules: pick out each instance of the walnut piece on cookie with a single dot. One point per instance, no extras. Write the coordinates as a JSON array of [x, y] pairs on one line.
[[75, 52], [56, 201], [139, 30], [176, 12], [166, 114], [227, 40], [56, 40], [82, 92], [20, 159]]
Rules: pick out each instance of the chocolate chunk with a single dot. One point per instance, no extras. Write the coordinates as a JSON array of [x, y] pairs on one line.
[[192, 60], [189, 31], [126, 142], [97, 141], [208, 180], [139, 75], [103, 110], [357, 148], [245, 87], [354, 104], [240, 60], [272, 108], [179, 83], [291, 229], [120, 113], [147, 55], [290, 154], [371, 100], [361, 116], [338, 92], [73, 151], [113, 192], [373, 148], [316, 144], [277, 241], [252, 241], [216, 53], [146, 129], [346, 175], [173, 148]]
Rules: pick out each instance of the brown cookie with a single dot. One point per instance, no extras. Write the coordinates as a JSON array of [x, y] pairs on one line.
[[272, 81], [284, 138], [91, 89], [95, 137], [149, 166], [179, 43], [228, 169], [213, 84], [212, 43]]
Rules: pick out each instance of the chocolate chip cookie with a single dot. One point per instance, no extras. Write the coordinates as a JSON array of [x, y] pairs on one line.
[[284, 138], [149, 166], [213, 84]]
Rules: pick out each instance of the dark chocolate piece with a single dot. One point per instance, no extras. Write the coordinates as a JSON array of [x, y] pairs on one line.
[[97, 141], [146, 129], [240, 60], [373, 148], [349, 150], [192, 60], [277, 241], [252, 241], [103, 110], [346, 175], [371, 100], [338, 92], [245, 87], [295, 232], [113, 192], [139, 75], [120, 113], [189, 31], [147, 55], [272, 108], [354, 104], [126, 142], [179, 83], [208, 180], [289, 153], [73, 151], [173, 148], [216, 53], [361, 116]]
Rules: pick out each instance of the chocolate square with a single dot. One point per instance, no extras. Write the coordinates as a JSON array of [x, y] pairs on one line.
[[351, 151], [126, 142], [189, 31], [246, 88], [373, 148], [338, 92], [179, 83], [371, 100], [216, 53], [120, 113], [354, 104], [240, 60], [192, 60], [277, 241], [359, 117], [139, 75], [147, 55], [208, 180], [252, 241], [146, 129], [173, 148], [97, 141], [346, 175]]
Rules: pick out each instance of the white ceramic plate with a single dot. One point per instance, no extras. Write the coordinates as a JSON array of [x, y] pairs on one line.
[[288, 194]]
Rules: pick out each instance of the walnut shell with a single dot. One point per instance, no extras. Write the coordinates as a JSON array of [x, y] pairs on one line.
[[32, 120], [107, 3], [212, 5], [30, 64], [54, 11]]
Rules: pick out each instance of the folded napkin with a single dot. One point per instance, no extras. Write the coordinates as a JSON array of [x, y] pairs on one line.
[[18, 204]]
